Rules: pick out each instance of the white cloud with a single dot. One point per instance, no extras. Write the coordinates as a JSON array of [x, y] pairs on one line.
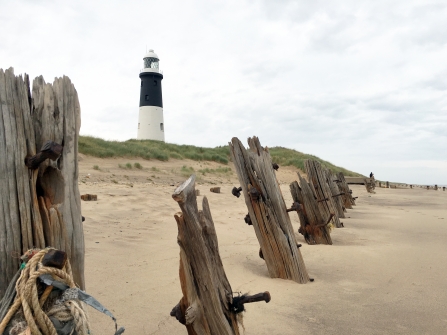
[[358, 83]]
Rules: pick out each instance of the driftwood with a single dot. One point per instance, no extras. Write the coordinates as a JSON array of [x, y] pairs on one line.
[[39, 201], [215, 189], [313, 226], [207, 306], [267, 211], [89, 197], [317, 178]]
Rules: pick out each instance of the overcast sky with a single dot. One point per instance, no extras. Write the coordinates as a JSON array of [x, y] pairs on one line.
[[362, 84]]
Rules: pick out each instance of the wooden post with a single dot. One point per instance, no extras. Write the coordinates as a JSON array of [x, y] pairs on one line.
[[443, 188], [207, 306], [436, 187], [346, 190], [323, 194], [312, 225], [387, 184], [370, 184], [267, 210], [335, 193], [40, 203]]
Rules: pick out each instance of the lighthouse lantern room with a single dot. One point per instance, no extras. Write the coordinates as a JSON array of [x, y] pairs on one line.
[[150, 119]]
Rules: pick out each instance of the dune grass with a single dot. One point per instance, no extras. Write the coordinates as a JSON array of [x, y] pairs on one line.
[[162, 151], [148, 149], [218, 170], [290, 157]]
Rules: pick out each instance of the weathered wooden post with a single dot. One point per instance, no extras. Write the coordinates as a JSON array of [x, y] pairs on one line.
[[443, 188], [335, 192], [436, 187], [207, 306], [349, 199], [387, 184], [370, 184], [411, 186], [40, 201], [313, 226], [267, 210], [318, 180]]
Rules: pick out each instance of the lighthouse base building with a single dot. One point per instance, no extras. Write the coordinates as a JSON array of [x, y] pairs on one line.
[[150, 118]]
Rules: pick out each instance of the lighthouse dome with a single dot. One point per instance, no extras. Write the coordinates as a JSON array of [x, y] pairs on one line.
[[151, 54]]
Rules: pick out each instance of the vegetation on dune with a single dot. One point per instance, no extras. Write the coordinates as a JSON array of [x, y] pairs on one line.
[[148, 149], [290, 157]]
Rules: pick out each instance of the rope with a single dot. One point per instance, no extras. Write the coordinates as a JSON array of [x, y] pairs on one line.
[[38, 322]]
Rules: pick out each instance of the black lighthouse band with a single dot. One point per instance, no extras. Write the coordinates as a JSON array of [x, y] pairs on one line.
[[150, 92]]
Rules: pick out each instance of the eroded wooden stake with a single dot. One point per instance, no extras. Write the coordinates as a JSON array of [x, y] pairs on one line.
[[268, 211], [206, 307]]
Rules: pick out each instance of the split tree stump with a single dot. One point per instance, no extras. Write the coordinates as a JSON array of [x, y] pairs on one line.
[[39, 203], [267, 211], [317, 178], [313, 226], [207, 306]]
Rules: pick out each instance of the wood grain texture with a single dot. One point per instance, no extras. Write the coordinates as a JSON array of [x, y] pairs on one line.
[[317, 178], [41, 207], [207, 294], [268, 211], [336, 194], [313, 226], [343, 186]]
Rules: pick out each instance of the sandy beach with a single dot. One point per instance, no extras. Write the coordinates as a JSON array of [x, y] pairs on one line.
[[384, 274]]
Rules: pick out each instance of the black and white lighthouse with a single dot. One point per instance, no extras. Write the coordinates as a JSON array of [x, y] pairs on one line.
[[150, 119]]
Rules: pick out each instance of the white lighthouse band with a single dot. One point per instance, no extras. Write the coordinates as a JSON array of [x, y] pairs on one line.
[[150, 119]]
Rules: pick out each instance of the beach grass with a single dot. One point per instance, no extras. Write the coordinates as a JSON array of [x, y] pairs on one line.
[[156, 150]]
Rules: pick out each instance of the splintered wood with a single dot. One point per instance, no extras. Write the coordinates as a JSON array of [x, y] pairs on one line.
[[207, 306], [267, 211], [40, 203], [313, 226], [318, 179]]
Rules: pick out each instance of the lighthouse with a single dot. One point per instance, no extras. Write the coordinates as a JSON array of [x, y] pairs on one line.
[[150, 118]]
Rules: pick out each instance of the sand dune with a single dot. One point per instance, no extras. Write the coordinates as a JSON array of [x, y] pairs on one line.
[[384, 274]]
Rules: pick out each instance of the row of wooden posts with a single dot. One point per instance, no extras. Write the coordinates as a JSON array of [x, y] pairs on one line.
[[387, 184], [40, 205], [320, 201]]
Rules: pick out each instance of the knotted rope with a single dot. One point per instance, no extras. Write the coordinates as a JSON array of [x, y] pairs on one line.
[[38, 322]]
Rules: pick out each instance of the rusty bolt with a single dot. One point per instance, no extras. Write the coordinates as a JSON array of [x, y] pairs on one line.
[[247, 220], [236, 191], [254, 193], [296, 206]]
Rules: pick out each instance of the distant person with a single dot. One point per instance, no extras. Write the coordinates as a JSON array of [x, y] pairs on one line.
[[371, 175]]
